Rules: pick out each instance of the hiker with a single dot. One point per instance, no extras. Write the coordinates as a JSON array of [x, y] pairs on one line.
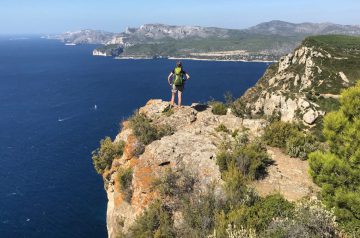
[[179, 76]]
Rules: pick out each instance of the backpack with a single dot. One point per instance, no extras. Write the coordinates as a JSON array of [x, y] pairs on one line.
[[179, 76]]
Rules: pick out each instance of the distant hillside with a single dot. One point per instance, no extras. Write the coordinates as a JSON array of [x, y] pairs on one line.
[[290, 29], [266, 41], [306, 83]]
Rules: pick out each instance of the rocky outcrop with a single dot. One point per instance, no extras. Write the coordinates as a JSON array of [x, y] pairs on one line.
[[293, 88], [192, 147]]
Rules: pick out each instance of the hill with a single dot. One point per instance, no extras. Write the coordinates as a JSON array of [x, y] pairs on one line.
[[266, 41], [306, 83]]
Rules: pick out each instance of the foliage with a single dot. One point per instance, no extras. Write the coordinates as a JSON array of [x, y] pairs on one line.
[[168, 111], [222, 128], [145, 131], [103, 156], [338, 171], [156, 222], [309, 219], [250, 159], [175, 184], [301, 144], [218, 108], [125, 179], [289, 137], [277, 133], [199, 215]]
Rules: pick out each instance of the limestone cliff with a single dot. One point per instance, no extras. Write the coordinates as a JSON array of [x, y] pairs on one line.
[[300, 87], [193, 148], [297, 87]]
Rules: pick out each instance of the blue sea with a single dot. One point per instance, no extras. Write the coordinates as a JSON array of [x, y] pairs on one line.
[[49, 125]]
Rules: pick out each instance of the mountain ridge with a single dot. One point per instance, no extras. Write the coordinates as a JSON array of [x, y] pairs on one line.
[[264, 42]]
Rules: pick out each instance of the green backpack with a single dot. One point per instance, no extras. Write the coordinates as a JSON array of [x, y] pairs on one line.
[[179, 77]]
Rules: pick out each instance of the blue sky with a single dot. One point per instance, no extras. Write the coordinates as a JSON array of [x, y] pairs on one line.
[[54, 16]]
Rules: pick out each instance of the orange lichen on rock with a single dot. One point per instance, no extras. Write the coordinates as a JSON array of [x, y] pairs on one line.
[[130, 147]]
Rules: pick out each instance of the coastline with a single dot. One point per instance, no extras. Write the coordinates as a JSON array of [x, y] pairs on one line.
[[197, 59]]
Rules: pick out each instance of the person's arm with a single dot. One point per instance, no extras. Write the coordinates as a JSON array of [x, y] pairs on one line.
[[169, 77]]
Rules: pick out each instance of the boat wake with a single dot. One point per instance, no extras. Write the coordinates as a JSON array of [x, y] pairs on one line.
[[64, 119]]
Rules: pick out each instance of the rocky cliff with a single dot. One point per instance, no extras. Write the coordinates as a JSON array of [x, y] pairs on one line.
[[192, 148], [302, 86], [299, 86]]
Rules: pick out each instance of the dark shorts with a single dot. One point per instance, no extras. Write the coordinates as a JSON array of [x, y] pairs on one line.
[[175, 88]]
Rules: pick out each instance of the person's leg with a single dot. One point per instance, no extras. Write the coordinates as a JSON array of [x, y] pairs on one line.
[[172, 99], [173, 91], [179, 98]]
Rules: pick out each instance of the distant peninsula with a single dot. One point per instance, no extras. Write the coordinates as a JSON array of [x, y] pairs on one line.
[[267, 41]]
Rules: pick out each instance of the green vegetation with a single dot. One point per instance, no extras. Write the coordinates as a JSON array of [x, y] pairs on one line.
[[237, 40], [218, 108], [249, 159], [288, 136], [145, 131], [108, 151], [277, 133], [337, 170], [156, 222], [125, 179], [222, 128]]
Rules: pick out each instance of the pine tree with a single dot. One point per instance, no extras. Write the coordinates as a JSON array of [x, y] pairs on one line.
[[337, 171]]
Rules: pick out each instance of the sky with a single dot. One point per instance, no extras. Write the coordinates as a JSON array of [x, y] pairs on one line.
[[56, 16]]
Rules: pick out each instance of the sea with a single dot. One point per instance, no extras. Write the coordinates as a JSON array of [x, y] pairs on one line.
[[56, 103]]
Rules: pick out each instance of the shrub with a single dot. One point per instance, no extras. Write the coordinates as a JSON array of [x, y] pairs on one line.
[[301, 144], [155, 222], [145, 132], [103, 156], [289, 137], [198, 214], [277, 133], [218, 108], [238, 108], [222, 128], [250, 159], [125, 179], [260, 215], [175, 184], [310, 219]]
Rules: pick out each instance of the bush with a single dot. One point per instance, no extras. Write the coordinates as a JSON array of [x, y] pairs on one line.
[[277, 133], [125, 179], [262, 212], [250, 159], [289, 137], [155, 222], [310, 219], [222, 128], [218, 108], [198, 214], [145, 132], [175, 184], [103, 156], [301, 144]]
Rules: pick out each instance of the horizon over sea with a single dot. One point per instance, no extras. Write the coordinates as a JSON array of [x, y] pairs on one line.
[[56, 103]]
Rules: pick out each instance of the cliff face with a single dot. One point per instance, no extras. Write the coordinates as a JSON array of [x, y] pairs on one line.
[[191, 148], [297, 87]]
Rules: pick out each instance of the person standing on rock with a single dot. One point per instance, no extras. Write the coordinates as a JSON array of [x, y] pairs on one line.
[[178, 76]]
